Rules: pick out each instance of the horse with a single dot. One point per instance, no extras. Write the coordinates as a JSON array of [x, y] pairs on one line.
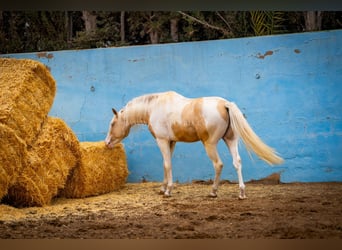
[[172, 118]]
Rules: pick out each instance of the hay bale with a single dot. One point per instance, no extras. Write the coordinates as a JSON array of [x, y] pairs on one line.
[[26, 96], [50, 159], [12, 158], [101, 170]]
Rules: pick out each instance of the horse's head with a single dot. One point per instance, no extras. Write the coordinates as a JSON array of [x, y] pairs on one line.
[[118, 130]]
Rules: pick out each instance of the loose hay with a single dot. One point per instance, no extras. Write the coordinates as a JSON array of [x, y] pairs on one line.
[[12, 157], [102, 170], [50, 159], [26, 96]]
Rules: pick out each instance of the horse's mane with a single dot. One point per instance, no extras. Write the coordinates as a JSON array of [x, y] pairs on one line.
[[143, 100], [137, 110]]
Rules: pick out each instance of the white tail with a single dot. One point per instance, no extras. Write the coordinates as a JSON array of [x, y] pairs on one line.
[[252, 141]]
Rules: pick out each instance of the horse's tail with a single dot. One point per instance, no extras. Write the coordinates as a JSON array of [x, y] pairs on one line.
[[252, 141]]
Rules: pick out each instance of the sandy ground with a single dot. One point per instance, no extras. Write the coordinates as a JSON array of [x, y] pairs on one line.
[[300, 210]]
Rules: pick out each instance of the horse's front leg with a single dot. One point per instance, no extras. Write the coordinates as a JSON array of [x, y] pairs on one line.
[[164, 186], [166, 148]]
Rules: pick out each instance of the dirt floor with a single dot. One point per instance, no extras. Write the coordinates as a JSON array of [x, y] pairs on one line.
[[311, 210]]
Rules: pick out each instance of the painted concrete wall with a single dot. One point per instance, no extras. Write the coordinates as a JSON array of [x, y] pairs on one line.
[[288, 86]]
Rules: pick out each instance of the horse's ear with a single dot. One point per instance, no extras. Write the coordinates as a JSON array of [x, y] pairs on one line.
[[114, 112]]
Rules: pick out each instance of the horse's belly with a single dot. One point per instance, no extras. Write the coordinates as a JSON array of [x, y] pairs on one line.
[[188, 133]]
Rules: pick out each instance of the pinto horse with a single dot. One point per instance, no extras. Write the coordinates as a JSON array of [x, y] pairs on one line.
[[172, 117]]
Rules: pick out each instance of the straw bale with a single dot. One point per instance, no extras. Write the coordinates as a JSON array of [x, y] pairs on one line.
[[102, 170], [12, 158], [50, 159], [26, 97]]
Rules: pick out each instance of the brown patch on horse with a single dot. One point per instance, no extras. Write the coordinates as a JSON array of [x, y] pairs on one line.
[[222, 109], [192, 127], [229, 134]]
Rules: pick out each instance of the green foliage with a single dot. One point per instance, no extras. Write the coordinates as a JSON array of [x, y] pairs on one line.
[[107, 33], [267, 22], [30, 31]]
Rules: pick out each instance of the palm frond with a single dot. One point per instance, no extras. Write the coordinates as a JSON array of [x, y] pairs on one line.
[[267, 22]]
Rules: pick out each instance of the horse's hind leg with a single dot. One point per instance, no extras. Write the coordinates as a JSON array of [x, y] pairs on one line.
[[233, 148], [218, 165]]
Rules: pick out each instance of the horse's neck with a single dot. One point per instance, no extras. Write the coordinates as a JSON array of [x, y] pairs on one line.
[[137, 113]]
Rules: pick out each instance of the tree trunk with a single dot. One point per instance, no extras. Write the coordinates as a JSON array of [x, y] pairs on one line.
[[313, 20], [174, 29], [68, 26], [154, 37], [122, 26], [89, 20]]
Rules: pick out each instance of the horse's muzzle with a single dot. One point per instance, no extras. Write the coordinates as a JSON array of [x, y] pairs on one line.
[[109, 143]]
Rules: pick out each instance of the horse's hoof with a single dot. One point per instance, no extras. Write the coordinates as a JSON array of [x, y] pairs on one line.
[[242, 197], [212, 195], [167, 195], [161, 192]]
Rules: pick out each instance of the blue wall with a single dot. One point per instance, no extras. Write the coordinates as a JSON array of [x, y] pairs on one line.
[[288, 86]]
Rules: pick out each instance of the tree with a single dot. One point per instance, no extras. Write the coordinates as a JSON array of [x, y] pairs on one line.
[[29, 31], [68, 26], [313, 20], [174, 28], [89, 18], [122, 26], [213, 25], [154, 23]]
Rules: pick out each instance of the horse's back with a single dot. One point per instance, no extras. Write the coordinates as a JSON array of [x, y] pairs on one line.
[[209, 109]]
